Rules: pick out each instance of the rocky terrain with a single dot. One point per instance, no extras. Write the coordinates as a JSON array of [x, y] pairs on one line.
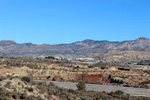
[[77, 48], [60, 70], [17, 73]]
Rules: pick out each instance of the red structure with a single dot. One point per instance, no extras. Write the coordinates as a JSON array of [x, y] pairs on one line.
[[95, 78]]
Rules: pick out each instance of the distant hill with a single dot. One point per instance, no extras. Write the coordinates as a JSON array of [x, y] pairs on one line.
[[123, 56], [79, 48]]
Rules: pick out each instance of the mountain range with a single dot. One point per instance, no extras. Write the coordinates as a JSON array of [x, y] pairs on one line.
[[10, 47]]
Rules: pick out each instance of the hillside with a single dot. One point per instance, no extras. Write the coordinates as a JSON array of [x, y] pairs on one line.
[[79, 48], [123, 56], [66, 71]]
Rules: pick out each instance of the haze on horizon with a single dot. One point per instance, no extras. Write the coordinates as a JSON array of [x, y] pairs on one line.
[[67, 21]]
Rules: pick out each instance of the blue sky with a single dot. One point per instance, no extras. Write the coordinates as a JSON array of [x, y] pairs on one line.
[[66, 21]]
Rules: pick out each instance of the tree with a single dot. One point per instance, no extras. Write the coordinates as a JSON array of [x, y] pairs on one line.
[[81, 86]]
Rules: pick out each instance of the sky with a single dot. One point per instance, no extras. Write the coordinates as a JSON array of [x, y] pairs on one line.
[[67, 21]]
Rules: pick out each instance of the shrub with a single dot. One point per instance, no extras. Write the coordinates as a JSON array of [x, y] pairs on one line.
[[7, 85], [50, 57], [119, 92], [77, 67], [2, 78], [81, 86], [26, 79], [30, 89]]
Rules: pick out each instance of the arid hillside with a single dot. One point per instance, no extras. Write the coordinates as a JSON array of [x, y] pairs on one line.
[[123, 56], [22, 89], [60, 70]]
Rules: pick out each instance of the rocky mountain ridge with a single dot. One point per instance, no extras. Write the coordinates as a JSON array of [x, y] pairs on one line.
[[79, 48]]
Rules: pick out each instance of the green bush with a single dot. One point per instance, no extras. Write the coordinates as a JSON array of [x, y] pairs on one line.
[[119, 92], [81, 86], [50, 57], [26, 79]]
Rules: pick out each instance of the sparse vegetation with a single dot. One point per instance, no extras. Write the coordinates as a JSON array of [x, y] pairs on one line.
[[42, 91], [50, 57], [26, 79], [119, 92], [59, 70]]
